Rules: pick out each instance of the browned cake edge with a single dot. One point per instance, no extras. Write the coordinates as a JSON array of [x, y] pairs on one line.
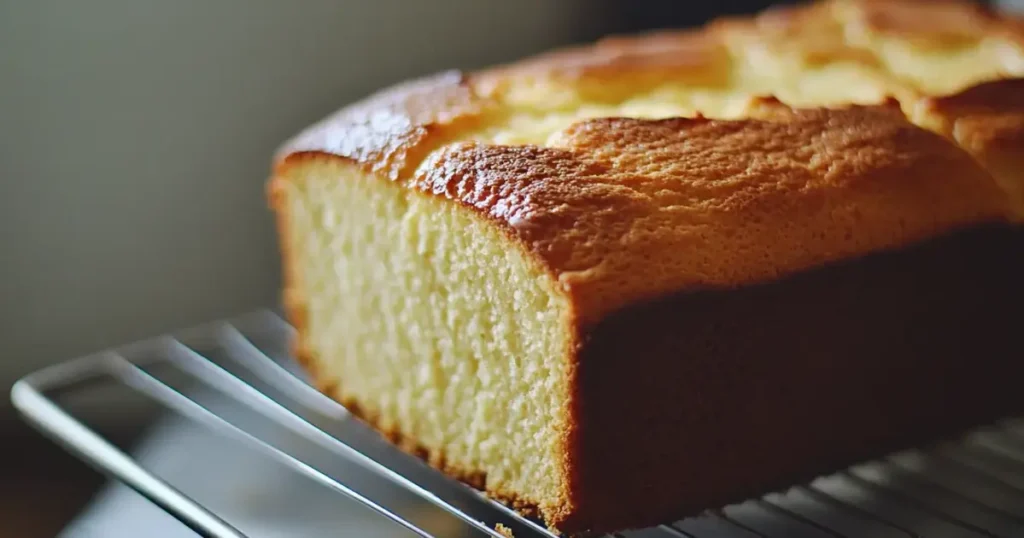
[[769, 385]]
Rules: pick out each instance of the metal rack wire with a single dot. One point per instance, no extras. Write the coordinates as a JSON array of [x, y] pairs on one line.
[[974, 488]]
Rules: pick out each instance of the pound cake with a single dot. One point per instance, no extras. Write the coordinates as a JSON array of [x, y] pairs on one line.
[[618, 284]]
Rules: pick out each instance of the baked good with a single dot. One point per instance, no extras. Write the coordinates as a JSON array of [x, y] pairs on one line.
[[624, 282]]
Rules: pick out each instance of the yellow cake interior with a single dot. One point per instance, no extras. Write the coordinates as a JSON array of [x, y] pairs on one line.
[[434, 322]]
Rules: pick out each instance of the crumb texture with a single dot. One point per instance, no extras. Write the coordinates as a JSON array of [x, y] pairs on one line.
[[432, 324]]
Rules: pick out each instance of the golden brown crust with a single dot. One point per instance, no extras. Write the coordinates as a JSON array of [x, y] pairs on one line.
[[393, 129], [623, 210]]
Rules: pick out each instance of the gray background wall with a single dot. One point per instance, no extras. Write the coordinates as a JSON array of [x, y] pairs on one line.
[[135, 138]]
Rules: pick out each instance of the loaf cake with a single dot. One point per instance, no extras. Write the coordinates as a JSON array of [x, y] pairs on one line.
[[618, 284]]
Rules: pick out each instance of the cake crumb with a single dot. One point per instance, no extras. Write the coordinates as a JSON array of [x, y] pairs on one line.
[[504, 531]]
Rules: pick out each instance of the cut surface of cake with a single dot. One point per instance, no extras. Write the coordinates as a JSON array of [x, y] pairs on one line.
[[625, 282]]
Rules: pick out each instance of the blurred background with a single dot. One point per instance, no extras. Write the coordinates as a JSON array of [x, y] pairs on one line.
[[135, 139]]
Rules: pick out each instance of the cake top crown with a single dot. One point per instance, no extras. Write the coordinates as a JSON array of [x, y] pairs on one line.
[[746, 149]]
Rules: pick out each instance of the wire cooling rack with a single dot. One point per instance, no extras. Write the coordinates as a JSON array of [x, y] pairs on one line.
[[235, 381]]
